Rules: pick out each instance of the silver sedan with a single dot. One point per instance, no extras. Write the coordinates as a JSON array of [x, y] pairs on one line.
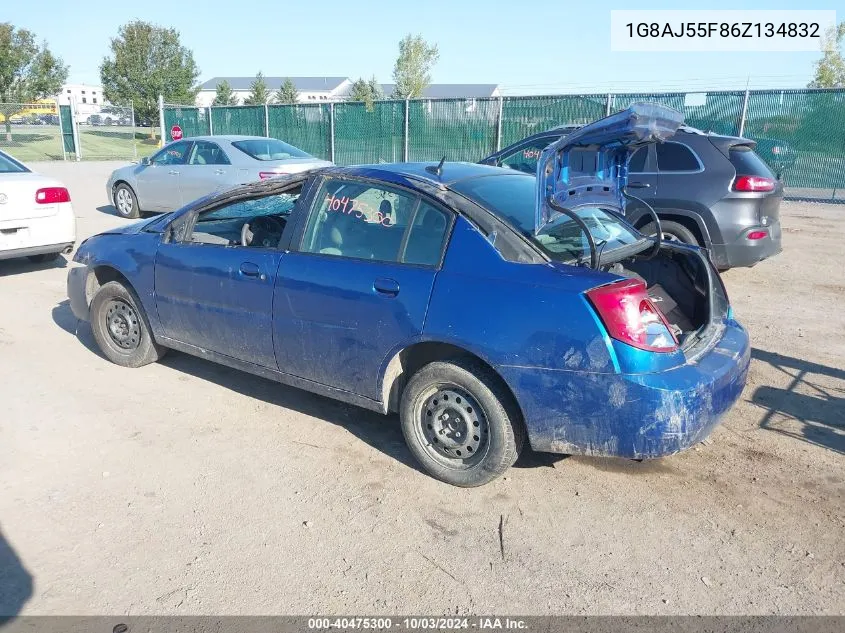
[[185, 170]]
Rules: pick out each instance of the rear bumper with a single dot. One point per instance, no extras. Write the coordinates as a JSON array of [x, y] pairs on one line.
[[55, 233], [637, 416], [744, 252]]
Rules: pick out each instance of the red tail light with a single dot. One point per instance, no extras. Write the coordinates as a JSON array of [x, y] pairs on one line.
[[264, 175], [630, 317], [753, 183], [52, 195], [757, 235]]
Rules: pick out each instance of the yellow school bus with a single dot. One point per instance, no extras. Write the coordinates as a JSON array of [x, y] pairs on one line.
[[28, 111]]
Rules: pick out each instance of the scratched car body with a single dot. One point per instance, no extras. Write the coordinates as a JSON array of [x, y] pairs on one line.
[[482, 306]]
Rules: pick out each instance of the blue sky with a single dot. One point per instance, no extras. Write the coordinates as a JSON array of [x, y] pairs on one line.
[[528, 47]]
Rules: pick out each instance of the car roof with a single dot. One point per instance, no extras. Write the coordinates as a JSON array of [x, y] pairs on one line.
[[451, 173], [228, 137]]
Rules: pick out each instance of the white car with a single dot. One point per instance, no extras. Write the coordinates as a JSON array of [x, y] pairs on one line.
[[36, 216]]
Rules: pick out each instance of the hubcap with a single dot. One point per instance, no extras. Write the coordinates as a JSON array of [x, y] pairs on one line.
[[122, 324], [124, 201], [454, 426]]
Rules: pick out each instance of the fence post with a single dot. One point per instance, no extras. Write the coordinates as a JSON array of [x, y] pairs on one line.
[[161, 119], [74, 127], [405, 132], [744, 112], [61, 130], [266, 121], [499, 125], [607, 106], [210, 124], [331, 132], [134, 140]]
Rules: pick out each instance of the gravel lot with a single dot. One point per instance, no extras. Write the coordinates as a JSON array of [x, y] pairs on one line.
[[187, 488]]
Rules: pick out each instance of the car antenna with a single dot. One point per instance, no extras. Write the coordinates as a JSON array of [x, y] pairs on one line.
[[437, 170]]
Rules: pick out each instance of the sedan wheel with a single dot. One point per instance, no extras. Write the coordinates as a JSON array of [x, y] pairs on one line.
[[125, 202]]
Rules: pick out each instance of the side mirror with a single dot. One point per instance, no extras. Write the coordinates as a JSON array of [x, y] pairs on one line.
[[145, 161]]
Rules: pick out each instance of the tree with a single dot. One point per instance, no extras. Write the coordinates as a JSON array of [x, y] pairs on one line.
[[225, 96], [147, 61], [412, 72], [259, 93], [830, 69], [366, 91], [28, 72], [287, 93]]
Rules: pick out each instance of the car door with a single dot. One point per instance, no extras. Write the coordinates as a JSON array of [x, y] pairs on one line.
[[356, 286], [158, 182], [207, 170], [215, 293]]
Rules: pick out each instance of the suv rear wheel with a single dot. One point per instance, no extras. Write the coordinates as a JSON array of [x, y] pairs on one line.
[[672, 232]]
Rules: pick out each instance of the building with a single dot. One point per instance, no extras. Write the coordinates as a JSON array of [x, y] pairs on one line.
[[84, 94], [310, 89], [329, 89]]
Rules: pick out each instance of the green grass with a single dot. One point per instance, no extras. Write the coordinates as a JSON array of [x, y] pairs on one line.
[[43, 142]]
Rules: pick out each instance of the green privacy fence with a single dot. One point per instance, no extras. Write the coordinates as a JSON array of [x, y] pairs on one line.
[[801, 133]]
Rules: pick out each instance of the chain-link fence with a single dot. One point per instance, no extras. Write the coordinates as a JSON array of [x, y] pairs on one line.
[[800, 133], [31, 131], [44, 131]]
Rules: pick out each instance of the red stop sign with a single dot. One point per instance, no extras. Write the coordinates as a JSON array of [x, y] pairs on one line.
[[176, 133]]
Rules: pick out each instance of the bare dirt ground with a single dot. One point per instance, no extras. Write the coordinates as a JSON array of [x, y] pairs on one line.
[[188, 488]]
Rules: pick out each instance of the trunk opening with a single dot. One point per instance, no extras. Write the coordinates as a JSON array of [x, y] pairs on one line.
[[680, 284]]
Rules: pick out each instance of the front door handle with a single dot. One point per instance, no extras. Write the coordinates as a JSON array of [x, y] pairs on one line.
[[219, 172], [248, 269], [639, 185], [173, 172], [386, 286]]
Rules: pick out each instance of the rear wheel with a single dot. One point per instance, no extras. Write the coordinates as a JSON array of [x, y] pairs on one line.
[[672, 232], [126, 202], [460, 422], [121, 328], [43, 258]]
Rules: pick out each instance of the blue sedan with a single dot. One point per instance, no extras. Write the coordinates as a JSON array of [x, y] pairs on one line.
[[483, 306]]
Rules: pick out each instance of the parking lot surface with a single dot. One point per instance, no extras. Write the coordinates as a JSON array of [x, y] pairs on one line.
[[185, 487]]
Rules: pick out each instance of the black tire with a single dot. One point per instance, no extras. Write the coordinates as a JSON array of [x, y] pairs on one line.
[[479, 402], [121, 328], [43, 258], [126, 202], [672, 230]]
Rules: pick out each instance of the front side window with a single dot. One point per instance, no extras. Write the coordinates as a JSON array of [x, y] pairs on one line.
[[525, 158], [255, 223], [173, 154], [206, 153], [364, 221], [676, 157], [269, 149]]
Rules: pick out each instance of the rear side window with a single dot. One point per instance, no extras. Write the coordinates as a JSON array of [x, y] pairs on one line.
[[269, 149], [676, 157], [525, 158], [637, 163], [9, 165], [747, 163]]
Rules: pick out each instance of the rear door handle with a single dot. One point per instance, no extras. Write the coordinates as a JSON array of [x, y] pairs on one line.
[[386, 286], [173, 172], [248, 269], [219, 172], [639, 185]]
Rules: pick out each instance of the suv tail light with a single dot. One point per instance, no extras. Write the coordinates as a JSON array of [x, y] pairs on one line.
[[754, 183], [630, 317], [52, 195], [264, 175]]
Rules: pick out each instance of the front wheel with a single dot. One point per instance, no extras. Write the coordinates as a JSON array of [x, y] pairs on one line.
[[461, 423], [126, 202], [121, 328]]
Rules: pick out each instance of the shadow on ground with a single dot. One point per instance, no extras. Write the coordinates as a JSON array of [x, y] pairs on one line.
[[820, 415], [23, 265], [15, 582]]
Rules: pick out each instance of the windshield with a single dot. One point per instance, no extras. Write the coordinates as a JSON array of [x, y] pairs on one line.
[[513, 197], [9, 165], [269, 149]]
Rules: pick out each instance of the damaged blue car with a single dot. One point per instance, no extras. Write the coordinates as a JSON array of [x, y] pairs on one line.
[[485, 306]]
